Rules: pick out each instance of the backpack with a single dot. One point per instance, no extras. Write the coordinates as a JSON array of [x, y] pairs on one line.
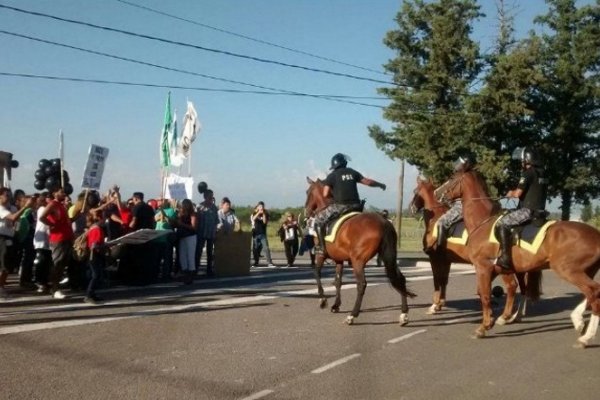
[[81, 251]]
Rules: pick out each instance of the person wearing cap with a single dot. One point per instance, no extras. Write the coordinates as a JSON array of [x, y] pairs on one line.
[[341, 184], [291, 233]]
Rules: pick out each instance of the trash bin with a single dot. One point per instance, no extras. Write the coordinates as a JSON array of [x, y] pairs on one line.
[[232, 254]]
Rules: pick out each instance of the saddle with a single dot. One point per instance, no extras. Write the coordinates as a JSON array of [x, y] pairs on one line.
[[332, 228], [457, 233], [529, 235]]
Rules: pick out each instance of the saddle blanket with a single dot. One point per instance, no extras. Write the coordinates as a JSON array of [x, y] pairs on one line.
[[457, 234], [332, 229], [531, 236]]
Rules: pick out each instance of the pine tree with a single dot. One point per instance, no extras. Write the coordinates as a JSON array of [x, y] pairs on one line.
[[436, 65], [586, 212], [568, 109]]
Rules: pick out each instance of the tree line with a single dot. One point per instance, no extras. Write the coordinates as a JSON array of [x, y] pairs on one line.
[[540, 91]]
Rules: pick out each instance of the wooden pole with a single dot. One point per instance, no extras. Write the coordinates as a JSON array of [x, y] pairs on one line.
[[399, 203]]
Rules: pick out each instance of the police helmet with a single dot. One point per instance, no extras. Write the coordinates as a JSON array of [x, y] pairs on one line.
[[465, 162], [339, 161], [527, 155]]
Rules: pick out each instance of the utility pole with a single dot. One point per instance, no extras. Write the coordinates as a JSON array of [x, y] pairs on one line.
[[399, 203]]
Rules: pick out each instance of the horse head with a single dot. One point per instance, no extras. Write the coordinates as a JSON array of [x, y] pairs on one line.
[[315, 200], [423, 195], [450, 190]]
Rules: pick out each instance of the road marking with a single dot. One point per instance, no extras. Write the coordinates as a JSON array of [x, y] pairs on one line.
[[163, 310], [408, 335], [258, 395], [335, 363]]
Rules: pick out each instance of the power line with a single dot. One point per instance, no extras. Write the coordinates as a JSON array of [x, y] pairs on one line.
[[153, 85], [248, 37], [283, 91], [228, 53]]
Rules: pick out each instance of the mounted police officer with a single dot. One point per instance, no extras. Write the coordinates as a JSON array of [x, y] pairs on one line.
[[465, 162], [532, 193], [342, 184]]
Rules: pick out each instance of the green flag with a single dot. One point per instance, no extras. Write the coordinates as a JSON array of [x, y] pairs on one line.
[[165, 157]]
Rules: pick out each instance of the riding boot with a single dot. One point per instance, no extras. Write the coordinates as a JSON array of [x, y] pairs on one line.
[[320, 247], [505, 239], [441, 238]]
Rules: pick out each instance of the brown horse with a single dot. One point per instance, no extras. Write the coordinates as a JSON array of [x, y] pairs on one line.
[[424, 199], [570, 249], [358, 240]]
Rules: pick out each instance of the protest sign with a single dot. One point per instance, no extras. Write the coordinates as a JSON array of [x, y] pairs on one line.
[[92, 175], [179, 188]]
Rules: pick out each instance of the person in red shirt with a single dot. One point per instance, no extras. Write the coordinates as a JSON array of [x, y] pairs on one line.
[[61, 237], [97, 246]]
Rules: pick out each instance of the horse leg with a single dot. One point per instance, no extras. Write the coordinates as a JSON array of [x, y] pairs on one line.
[[361, 285], [322, 298], [591, 290], [510, 283], [339, 269], [484, 288], [577, 316], [441, 271]]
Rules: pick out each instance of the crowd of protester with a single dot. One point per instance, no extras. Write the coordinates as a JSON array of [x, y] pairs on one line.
[[54, 243]]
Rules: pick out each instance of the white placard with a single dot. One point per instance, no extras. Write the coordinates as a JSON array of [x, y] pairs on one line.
[[178, 187], [92, 175]]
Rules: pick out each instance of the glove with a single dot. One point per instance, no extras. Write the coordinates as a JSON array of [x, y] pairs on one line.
[[382, 186]]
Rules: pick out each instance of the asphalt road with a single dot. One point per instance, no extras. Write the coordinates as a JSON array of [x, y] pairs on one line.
[[263, 336]]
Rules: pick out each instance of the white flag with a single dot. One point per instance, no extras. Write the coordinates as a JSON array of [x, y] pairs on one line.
[[191, 126]]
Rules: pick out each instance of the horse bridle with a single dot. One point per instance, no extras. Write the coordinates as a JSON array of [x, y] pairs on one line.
[[450, 186]]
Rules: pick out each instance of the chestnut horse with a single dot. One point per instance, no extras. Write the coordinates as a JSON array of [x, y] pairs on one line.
[[358, 240], [570, 249], [424, 199]]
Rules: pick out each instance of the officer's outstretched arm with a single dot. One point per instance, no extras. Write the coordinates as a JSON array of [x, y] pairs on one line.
[[372, 183]]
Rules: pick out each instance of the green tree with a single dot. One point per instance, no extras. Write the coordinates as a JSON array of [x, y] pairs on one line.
[[586, 212], [437, 63], [568, 105]]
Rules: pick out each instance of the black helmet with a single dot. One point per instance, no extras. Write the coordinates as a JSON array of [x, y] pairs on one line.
[[465, 162], [527, 155], [339, 161]]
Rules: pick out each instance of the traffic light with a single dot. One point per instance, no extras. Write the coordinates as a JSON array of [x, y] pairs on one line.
[[6, 164]]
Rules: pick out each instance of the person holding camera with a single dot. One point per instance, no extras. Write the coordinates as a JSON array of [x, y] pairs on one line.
[[259, 220]]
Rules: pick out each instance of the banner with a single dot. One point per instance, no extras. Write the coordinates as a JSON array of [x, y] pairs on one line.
[[178, 187], [92, 175], [165, 152], [139, 237]]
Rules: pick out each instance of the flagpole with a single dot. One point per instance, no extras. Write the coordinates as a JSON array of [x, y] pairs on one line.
[[61, 156]]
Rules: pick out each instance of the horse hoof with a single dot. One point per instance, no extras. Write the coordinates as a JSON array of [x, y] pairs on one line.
[[501, 321], [403, 319], [579, 344], [323, 303], [349, 320], [432, 310], [335, 309], [479, 333]]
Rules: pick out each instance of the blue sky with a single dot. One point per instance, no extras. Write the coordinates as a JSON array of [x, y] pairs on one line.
[[251, 147]]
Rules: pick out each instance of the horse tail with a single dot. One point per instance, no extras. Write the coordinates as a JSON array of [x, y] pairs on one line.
[[533, 288], [388, 252]]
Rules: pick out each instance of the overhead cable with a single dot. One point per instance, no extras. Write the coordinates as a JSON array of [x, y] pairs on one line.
[[203, 89], [135, 61], [190, 45], [153, 10]]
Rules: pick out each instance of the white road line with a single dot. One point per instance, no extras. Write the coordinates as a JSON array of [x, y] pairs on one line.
[[258, 395], [162, 310], [408, 335], [335, 363]]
